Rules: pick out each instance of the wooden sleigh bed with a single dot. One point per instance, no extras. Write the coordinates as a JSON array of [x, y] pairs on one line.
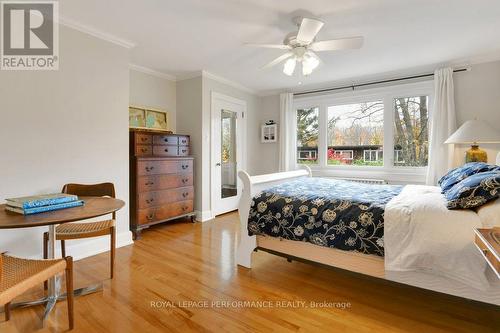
[[367, 264]]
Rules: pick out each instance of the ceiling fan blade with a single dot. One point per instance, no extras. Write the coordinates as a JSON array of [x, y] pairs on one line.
[[270, 46], [337, 44], [308, 29], [278, 60]]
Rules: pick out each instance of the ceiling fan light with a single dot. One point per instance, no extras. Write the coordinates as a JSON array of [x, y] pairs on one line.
[[289, 66], [309, 64]]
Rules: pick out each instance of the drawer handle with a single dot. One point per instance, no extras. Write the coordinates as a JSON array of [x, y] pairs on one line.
[[184, 151], [150, 200], [166, 150], [184, 180], [485, 251], [144, 139], [185, 194], [150, 216], [184, 208], [149, 168], [144, 150], [184, 166], [165, 139], [183, 141], [149, 183]]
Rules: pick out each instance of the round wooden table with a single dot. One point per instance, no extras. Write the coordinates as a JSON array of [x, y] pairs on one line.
[[93, 207]]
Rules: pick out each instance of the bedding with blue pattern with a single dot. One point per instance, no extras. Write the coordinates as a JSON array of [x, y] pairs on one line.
[[333, 213], [456, 175], [474, 191]]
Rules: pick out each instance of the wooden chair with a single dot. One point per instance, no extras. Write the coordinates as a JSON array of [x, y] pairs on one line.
[[17, 275], [68, 231]]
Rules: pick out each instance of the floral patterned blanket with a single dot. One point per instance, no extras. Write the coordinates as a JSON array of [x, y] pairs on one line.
[[333, 213]]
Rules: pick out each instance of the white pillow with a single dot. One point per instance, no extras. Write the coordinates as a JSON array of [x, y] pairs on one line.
[[490, 214]]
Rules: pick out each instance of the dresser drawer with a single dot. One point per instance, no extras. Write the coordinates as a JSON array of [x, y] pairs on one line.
[[143, 139], [184, 151], [183, 140], [158, 198], [145, 168], [166, 140], [150, 215], [165, 150], [143, 150], [163, 182], [487, 242]]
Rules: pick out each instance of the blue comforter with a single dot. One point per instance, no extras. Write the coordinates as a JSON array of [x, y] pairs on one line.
[[333, 213]]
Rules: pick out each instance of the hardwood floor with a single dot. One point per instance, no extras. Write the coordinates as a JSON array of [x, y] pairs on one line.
[[182, 262]]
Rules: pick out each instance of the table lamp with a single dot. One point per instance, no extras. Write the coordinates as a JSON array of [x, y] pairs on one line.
[[474, 132]]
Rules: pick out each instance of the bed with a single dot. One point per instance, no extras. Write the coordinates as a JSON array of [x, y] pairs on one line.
[[399, 233]]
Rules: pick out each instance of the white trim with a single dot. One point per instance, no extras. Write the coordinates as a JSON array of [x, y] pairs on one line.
[[96, 33], [203, 216], [241, 143], [152, 72], [228, 82]]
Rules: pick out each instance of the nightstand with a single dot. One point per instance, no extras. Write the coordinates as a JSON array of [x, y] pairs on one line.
[[488, 243]]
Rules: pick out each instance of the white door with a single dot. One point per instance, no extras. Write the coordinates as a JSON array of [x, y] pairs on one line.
[[228, 132]]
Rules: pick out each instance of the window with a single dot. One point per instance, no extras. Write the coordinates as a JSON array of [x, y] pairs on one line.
[[381, 132], [373, 155], [307, 135], [355, 128], [411, 132]]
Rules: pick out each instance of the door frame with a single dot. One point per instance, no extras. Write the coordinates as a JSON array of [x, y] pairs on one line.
[[241, 145]]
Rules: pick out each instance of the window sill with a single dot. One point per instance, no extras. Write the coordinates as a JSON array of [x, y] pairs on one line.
[[394, 175]]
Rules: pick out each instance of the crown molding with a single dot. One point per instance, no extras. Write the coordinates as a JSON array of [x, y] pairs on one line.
[[228, 82], [96, 33], [152, 72]]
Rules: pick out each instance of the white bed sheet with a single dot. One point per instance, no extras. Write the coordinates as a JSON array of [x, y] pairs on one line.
[[422, 235]]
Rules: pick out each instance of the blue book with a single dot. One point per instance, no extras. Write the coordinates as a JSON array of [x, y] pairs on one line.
[[41, 200], [42, 209]]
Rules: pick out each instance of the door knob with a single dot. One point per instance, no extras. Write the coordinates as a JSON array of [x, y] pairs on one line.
[[217, 164]]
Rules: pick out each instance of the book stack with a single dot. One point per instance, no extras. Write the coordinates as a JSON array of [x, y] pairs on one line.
[[42, 203]]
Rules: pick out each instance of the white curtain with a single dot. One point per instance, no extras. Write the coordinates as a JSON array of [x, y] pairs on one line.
[[443, 124], [286, 123]]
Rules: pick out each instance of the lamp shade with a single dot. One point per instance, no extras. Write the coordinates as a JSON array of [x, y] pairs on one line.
[[475, 131]]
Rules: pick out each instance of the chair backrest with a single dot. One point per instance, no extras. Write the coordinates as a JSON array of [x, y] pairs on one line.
[[91, 190]]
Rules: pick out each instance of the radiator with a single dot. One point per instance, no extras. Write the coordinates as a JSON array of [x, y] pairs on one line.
[[363, 180]]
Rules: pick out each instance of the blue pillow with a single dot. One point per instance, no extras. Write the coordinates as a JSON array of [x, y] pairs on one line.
[[456, 175], [474, 191]]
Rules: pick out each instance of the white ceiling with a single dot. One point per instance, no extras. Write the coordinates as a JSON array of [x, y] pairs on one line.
[[185, 36]]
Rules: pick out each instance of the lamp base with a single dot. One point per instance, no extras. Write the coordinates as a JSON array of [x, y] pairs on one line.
[[474, 154]]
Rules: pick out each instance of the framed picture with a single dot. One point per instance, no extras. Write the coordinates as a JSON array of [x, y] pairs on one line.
[[146, 118], [136, 117], [156, 120]]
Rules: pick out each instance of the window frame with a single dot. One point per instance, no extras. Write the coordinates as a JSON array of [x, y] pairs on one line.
[[387, 95]]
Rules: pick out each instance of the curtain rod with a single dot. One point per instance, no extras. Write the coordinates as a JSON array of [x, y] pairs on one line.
[[354, 86]]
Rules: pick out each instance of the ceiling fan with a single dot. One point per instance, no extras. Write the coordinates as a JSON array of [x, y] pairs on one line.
[[302, 46]]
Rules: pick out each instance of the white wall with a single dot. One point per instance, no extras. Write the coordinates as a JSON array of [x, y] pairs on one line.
[[268, 161], [477, 94], [69, 125], [155, 92], [193, 118], [189, 121]]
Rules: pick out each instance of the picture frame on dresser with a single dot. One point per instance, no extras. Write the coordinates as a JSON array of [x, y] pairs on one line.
[[161, 179], [147, 118]]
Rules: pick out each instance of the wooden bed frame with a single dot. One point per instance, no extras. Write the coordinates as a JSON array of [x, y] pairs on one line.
[[366, 264]]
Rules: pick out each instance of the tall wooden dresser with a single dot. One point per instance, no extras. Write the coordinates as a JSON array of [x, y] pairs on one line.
[[161, 179]]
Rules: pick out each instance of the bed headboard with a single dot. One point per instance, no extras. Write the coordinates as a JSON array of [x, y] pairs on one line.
[[498, 159]]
